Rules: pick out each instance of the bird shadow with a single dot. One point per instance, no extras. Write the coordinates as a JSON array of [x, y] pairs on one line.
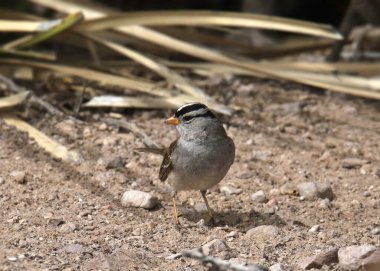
[[242, 220]]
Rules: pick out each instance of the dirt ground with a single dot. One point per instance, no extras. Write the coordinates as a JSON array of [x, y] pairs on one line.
[[65, 216]]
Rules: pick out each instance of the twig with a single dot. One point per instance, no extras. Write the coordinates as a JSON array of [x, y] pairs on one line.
[[136, 131], [12, 86], [78, 105], [219, 264]]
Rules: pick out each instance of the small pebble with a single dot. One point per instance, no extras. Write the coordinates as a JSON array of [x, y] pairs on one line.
[[366, 194], [115, 162], [214, 246], [350, 163], [1, 180], [259, 196], [314, 229], [230, 190], [103, 127], [12, 259], [18, 176], [274, 192], [325, 204], [139, 199], [377, 172], [375, 231]]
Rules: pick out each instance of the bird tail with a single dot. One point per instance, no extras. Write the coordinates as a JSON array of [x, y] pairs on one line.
[[152, 150]]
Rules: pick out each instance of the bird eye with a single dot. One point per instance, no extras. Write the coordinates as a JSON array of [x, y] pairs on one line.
[[187, 118]]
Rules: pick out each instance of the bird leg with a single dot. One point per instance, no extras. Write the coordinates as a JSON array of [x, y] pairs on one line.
[[175, 212], [210, 212]]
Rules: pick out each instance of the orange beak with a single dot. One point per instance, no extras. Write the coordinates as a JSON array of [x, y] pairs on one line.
[[172, 121]]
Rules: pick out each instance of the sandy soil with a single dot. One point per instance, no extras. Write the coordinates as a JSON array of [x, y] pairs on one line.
[[64, 216]]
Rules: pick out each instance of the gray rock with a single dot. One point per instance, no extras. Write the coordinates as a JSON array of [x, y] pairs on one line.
[[277, 267], [214, 246], [69, 227], [350, 258], [259, 196], [377, 172], [139, 199], [230, 190], [312, 191], [18, 176], [325, 204], [317, 261], [375, 231], [350, 163], [114, 162], [263, 231]]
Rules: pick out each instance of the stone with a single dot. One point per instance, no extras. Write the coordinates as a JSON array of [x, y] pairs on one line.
[[259, 197], [261, 155], [277, 267], [312, 191], [68, 227], [18, 176], [350, 257], [325, 204], [103, 127], [317, 261], [215, 246], [372, 263], [264, 231], [1, 180], [114, 162], [288, 189], [174, 256], [375, 231], [12, 258], [230, 190], [314, 229], [139, 199], [377, 172], [351, 163]]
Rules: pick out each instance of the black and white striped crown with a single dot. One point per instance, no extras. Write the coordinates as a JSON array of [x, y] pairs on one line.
[[194, 110]]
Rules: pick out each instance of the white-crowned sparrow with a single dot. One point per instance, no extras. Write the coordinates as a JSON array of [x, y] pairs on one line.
[[200, 157]]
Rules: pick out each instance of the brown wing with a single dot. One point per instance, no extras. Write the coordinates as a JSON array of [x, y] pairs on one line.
[[166, 165]]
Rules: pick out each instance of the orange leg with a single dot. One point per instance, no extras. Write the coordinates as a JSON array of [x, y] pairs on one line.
[[175, 212]]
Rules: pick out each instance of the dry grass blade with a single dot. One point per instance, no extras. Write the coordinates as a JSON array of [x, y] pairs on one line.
[[171, 76], [201, 18], [64, 24], [27, 26], [140, 102], [91, 75], [29, 54], [13, 100], [45, 142]]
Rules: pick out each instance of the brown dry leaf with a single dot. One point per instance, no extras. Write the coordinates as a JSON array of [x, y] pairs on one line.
[[13, 100], [45, 142]]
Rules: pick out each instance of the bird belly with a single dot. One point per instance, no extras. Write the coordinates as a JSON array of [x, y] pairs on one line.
[[201, 169]]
